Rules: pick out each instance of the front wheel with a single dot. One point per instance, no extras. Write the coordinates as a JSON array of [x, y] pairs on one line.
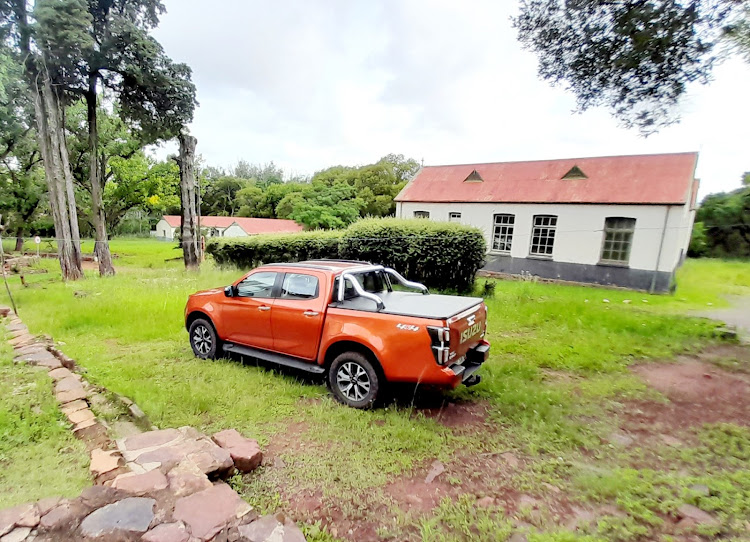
[[353, 380], [203, 339]]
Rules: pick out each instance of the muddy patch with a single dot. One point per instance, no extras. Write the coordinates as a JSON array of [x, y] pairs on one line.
[[458, 415], [697, 393]]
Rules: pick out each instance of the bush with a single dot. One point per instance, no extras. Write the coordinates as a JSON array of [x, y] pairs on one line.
[[438, 254], [249, 252]]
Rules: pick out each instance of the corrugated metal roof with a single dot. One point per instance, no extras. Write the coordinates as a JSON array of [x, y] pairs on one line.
[[250, 225], [643, 179]]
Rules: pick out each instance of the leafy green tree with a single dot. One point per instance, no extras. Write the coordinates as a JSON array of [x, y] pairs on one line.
[[323, 206], [636, 58], [250, 199], [726, 222], [221, 196]]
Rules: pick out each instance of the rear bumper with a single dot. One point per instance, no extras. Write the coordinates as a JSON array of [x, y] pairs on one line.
[[474, 360]]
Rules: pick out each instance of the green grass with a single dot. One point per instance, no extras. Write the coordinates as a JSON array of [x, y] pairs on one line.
[[39, 457], [556, 377]]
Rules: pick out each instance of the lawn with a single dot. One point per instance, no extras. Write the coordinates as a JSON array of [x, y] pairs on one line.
[[39, 457], [552, 393]]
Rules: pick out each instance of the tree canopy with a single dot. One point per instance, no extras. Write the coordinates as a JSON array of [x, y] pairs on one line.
[[636, 58], [722, 227]]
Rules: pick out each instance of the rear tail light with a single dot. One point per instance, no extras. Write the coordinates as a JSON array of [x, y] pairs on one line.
[[441, 338]]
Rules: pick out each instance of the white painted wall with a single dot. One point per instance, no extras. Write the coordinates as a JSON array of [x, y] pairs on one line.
[[234, 231], [163, 229], [580, 228]]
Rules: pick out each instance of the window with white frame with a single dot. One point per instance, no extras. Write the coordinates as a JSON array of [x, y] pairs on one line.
[[454, 217], [502, 236], [618, 238], [543, 235], [421, 214]]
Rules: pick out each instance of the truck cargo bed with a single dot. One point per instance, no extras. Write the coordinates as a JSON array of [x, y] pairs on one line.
[[413, 304]]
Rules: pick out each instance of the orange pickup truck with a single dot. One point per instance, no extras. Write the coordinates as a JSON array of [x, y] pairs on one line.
[[362, 325]]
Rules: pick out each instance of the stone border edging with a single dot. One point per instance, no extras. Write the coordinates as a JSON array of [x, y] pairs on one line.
[[154, 486]]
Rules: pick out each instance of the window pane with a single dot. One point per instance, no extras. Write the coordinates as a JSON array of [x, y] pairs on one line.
[[502, 238], [299, 286], [257, 285], [618, 239], [543, 235]]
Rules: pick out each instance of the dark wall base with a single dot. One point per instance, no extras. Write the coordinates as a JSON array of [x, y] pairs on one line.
[[637, 279]]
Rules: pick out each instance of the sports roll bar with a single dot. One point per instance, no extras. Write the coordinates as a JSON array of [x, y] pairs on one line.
[[408, 283], [357, 288], [368, 295]]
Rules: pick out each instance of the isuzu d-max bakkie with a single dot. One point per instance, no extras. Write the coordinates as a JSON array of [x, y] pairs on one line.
[[361, 325]]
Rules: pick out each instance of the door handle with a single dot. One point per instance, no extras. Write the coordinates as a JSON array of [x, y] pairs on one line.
[[311, 313], [264, 308]]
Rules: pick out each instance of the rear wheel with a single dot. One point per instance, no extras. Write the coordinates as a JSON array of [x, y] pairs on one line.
[[354, 380], [203, 339]]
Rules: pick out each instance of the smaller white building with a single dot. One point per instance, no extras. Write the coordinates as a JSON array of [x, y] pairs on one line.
[[622, 220], [226, 226]]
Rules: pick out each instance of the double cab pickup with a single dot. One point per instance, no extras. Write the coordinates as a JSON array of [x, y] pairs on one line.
[[361, 325]]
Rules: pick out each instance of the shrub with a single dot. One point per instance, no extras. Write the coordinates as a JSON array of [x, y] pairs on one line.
[[249, 252], [441, 255]]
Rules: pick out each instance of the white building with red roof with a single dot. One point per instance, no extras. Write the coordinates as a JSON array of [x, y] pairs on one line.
[[616, 220], [227, 226]]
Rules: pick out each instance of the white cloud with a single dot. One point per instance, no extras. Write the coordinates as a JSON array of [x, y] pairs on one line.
[[313, 84]]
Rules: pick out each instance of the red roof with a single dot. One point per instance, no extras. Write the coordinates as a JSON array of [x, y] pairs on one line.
[[644, 179], [250, 225]]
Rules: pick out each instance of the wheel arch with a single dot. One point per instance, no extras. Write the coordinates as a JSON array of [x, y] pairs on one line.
[[339, 347], [193, 316]]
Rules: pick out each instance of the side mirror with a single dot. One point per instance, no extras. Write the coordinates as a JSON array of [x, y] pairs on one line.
[[229, 291]]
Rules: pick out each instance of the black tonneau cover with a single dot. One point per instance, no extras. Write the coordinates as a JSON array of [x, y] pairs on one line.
[[415, 304]]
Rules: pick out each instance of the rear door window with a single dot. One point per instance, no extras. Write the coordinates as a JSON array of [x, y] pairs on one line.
[[299, 286]]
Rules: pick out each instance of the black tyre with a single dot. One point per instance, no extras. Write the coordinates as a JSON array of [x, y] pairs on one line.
[[354, 380], [203, 339]]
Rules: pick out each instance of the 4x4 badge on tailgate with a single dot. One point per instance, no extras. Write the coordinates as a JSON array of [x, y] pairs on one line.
[[407, 327]]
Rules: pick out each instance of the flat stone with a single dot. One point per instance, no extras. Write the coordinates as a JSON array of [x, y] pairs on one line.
[[92, 433], [98, 496], [81, 416], [271, 529], [103, 461], [64, 397], [47, 504], [186, 479], [672, 441], [262, 529], [57, 517], [518, 537], [61, 373], [139, 484], [167, 457], [21, 340], [245, 452], [40, 357], [136, 412], [436, 469], [68, 384], [17, 535], [29, 516], [133, 514], [150, 439], [697, 515], [74, 406], [209, 511], [167, 532]]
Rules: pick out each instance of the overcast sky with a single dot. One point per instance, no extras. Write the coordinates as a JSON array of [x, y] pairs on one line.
[[314, 84]]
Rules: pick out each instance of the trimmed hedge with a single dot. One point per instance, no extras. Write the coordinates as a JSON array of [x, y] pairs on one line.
[[441, 255], [249, 252]]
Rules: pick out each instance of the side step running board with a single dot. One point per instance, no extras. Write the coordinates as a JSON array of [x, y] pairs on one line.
[[279, 359]]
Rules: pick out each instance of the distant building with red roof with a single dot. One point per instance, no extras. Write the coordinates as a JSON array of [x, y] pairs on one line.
[[616, 220], [227, 226]]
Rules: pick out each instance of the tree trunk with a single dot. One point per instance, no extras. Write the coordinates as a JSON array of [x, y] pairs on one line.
[[59, 178], [189, 224], [19, 239], [101, 243]]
